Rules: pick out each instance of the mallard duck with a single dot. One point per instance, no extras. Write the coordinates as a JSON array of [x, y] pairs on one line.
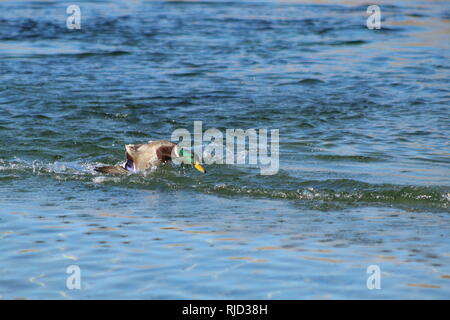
[[154, 153]]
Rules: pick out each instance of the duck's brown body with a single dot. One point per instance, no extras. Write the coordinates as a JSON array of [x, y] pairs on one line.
[[142, 156]]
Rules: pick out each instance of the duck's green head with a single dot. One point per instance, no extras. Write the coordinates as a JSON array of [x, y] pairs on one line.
[[190, 158]]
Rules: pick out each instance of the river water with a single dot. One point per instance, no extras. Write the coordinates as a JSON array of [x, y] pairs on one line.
[[364, 157]]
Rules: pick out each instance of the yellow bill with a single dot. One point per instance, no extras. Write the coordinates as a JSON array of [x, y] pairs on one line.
[[199, 167]]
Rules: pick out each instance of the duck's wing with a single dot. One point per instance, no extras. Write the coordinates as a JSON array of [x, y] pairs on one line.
[[112, 170]]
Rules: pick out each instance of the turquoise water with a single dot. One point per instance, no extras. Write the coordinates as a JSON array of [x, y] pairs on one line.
[[364, 150]]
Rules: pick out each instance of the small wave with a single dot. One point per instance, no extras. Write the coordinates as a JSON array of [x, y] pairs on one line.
[[346, 192], [348, 43], [103, 179], [356, 158], [100, 53], [372, 194], [37, 167], [305, 82], [310, 81], [187, 74]]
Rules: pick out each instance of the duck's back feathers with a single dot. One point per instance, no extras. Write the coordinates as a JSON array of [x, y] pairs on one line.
[[150, 154], [142, 156]]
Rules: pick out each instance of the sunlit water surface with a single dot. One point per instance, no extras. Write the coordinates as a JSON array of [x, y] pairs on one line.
[[364, 150]]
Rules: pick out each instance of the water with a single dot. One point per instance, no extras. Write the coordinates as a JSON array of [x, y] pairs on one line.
[[364, 150]]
